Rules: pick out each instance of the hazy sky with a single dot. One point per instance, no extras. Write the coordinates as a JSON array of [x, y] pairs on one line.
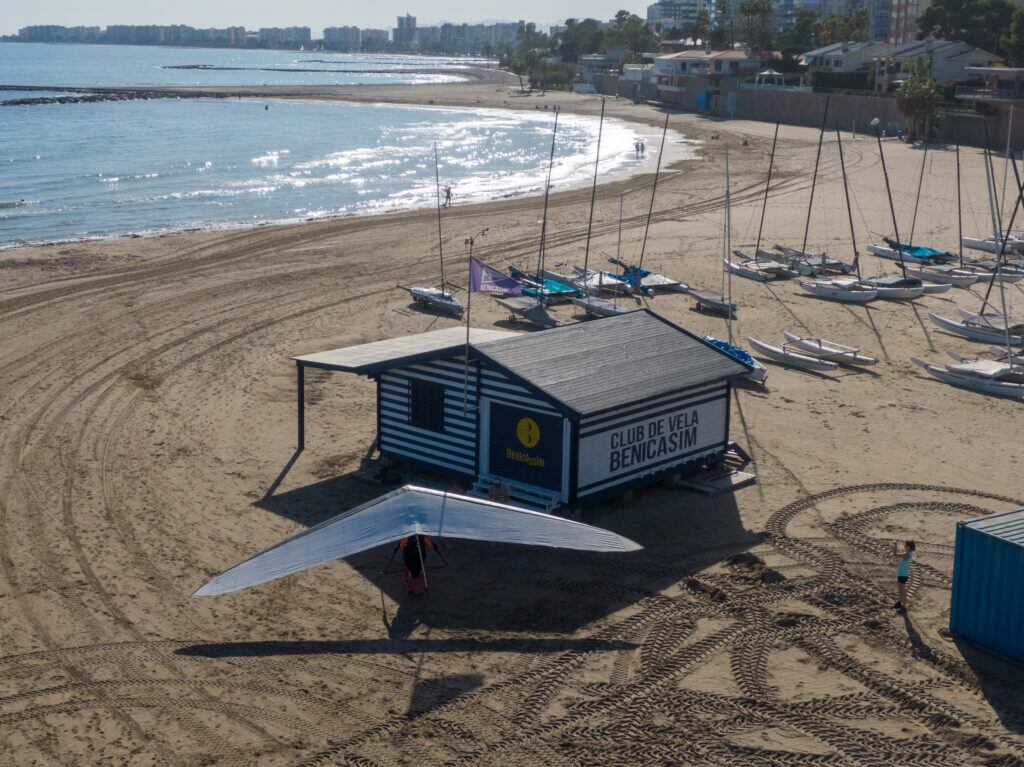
[[312, 13]]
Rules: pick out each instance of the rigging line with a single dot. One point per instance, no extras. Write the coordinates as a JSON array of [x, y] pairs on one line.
[[849, 211], [892, 210], [437, 188], [767, 185], [654, 188], [544, 221], [1001, 240], [959, 204], [917, 200], [593, 192], [814, 179]]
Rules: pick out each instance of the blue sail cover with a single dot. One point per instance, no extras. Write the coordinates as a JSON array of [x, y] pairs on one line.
[[733, 351]]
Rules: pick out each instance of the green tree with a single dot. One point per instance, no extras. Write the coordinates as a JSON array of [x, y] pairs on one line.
[[579, 39], [630, 31], [801, 36], [700, 29], [836, 29], [721, 34], [978, 22], [756, 23], [918, 98], [1012, 42]]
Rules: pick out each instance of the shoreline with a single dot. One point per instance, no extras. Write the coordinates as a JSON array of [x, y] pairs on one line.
[[679, 149], [149, 416]]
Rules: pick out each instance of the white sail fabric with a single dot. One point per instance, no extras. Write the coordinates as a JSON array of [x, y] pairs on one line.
[[412, 510]]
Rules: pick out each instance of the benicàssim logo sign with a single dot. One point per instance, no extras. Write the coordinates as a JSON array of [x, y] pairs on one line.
[[528, 432]]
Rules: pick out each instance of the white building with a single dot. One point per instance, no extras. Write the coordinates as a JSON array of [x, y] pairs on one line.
[[846, 56], [949, 59]]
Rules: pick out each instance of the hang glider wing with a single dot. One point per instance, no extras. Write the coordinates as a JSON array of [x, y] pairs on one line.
[[413, 510]]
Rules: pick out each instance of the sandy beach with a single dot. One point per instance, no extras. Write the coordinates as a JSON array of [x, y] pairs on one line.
[[148, 419]]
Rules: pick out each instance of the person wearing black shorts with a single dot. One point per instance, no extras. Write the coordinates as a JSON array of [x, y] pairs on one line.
[[903, 574]]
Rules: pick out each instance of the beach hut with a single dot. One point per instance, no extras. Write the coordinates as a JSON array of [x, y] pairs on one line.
[[987, 605], [559, 417]]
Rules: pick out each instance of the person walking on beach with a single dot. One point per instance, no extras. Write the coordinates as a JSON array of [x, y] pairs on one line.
[[447, 197], [643, 148], [903, 573]]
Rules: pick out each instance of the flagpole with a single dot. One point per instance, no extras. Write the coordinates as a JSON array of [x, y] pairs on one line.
[[469, 305]]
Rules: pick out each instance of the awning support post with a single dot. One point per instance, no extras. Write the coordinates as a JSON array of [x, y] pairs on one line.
[[300, 371]]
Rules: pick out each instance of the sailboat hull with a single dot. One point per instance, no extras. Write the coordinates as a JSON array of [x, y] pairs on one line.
[[437, 299], [835, 293], [844, 355], [975, 332], [975, 383], [790, 358], [946, 278]]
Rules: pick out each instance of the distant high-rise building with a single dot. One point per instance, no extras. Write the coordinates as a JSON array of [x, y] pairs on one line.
[[373, 39], [903, 14], [342, 38], [675, 14], [404, 34]]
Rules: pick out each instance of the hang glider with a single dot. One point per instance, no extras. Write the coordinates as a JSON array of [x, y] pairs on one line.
[[412, 510]]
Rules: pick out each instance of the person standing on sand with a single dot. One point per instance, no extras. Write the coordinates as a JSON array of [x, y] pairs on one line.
[[903, 573], [447, 197]]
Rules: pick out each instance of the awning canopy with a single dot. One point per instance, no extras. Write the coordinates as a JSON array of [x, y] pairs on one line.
[[366, 359]]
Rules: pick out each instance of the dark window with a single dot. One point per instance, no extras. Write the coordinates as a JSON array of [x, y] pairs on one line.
[[427, 410]]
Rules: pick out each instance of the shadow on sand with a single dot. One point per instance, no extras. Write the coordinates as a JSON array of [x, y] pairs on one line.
[[396, 646], [503, 587], [1001, 682]]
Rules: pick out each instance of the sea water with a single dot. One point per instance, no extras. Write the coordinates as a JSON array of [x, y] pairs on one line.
[[139, 167], [129, 65]]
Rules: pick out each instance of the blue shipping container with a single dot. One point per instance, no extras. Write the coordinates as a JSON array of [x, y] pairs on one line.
[[987, 605]]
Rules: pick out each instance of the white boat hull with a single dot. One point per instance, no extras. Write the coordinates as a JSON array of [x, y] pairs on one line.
[[819, 347], [934, 288], [976, 383], [898, 294], [839, 293], [991, 245], [600, 307], [961, 280], [437, 299], [790, 358], [713, 302], [993, 335], [746, 272]]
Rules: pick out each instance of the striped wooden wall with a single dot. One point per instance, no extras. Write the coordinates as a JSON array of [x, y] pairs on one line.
[[455, 449]]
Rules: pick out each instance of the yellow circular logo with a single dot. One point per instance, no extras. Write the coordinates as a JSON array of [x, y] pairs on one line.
[[528, 432]]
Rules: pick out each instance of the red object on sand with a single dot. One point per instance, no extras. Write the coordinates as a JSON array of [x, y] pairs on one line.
[[417, 585]]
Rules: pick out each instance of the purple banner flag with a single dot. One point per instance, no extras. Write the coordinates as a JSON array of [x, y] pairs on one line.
[[487, 279]]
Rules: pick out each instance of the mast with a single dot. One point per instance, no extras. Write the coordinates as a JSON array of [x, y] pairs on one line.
[[917, 201], [814, 178], [997, 274], [959, 204], [888, 191], [593, 192], [849, 210], [544, 223], [650, 210], [767, 186], [727, 244], [618, 246], [437, 188], [997, 225]]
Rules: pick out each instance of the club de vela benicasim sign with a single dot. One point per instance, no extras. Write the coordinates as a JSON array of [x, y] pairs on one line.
[[680, 434]]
